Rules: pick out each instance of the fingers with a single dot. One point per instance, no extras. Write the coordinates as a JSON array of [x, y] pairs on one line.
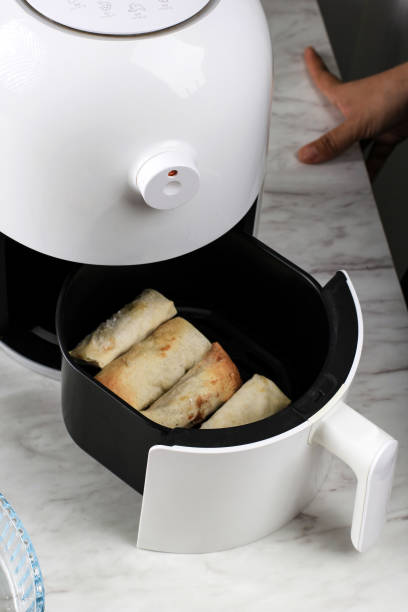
[[339, 139], [331, 144], [324, 80]]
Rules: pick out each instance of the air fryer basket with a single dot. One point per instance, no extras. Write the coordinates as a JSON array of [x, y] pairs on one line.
[[270, 316]]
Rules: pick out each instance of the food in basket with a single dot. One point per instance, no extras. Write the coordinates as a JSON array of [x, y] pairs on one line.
[[168, 369], [153, 366], [209, 384], [132, 324], [257, 399]]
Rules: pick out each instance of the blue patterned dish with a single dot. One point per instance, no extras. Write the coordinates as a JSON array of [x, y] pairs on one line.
[[21, 583]]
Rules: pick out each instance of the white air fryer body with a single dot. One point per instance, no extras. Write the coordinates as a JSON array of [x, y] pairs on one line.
[[137, 148]]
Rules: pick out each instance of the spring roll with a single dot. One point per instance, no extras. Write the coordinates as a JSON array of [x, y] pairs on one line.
[[256, 399], [210, 383], [133, 323], [154, 365]]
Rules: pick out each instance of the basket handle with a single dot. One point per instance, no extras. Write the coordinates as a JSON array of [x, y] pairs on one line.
[[371, 454]]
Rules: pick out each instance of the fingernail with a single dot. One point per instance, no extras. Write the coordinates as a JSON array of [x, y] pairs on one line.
[[308, 155]]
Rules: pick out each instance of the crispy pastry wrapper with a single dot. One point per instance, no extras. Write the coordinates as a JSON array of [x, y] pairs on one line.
[[257, 399], [153, 366], [210, 383], [132, 324]]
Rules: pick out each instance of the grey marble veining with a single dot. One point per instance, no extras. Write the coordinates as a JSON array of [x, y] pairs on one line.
[[83, 520]]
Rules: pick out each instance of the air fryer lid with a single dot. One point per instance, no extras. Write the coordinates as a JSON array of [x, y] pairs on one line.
[[270, 316], [118, 17]]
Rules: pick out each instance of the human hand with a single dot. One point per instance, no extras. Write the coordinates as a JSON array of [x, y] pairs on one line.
[[373, 108]]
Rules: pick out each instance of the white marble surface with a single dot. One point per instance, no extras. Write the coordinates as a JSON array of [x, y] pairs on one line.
[[83, 520]]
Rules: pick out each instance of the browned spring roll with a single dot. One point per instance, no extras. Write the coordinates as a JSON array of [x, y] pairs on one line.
[[154, 365], [255, 400], [210, 383], [131, 324]]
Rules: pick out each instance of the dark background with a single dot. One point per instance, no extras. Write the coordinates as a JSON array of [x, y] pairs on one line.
[[369, 36]]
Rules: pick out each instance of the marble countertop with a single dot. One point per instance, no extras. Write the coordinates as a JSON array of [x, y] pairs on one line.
[[83, 520]]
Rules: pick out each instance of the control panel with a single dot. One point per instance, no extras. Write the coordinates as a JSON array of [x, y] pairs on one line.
[[118, 17]]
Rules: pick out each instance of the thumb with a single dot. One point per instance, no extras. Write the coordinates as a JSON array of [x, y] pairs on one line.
[[331, 144]]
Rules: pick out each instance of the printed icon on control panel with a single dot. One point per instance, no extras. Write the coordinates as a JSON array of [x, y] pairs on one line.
[[106, 8], [165, 5], [76, 4], [137, 10]]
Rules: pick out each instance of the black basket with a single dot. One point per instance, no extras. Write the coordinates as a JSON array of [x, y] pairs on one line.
[[271, 317]]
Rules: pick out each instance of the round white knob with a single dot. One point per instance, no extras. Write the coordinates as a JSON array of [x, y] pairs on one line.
[[168, 180]]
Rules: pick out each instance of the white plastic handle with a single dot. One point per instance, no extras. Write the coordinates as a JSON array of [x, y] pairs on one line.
[[371, 453]]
